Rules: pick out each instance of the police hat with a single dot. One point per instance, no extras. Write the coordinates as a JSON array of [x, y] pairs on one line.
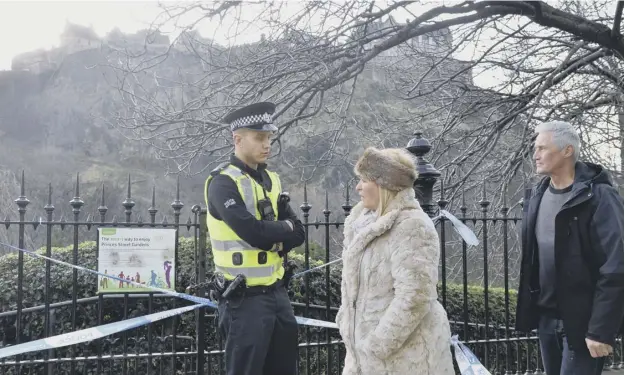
[[257, 116]]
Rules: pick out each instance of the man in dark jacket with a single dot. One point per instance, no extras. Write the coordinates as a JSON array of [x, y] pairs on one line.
[[571, 284]]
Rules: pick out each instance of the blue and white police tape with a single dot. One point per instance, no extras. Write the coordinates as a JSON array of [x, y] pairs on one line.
[[465, 232], [468, 364], [467, 361], [188, 297], [90, 334], [316, 268]]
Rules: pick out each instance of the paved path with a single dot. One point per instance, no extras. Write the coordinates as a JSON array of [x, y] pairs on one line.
[[614, 372]]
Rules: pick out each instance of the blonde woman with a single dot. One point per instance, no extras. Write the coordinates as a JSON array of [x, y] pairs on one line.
[[390, 319]]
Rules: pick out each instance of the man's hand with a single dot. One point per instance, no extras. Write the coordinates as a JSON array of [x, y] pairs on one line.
[[598, 349], [278, 248]]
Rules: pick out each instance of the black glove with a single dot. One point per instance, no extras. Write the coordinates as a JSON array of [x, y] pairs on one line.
[[289, 271]]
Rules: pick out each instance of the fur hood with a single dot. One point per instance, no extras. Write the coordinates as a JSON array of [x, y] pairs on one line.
[[390, 319]]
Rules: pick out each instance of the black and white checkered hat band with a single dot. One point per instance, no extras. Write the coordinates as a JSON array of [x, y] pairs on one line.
[[242, 122]]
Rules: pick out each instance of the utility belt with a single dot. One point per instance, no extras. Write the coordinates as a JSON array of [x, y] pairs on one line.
[[251, 291], [220, 288]]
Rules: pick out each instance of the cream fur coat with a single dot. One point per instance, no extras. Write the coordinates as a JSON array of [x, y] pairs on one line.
[[390, 319]]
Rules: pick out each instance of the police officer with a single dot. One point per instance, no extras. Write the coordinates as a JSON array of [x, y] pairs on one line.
[[250, 229]]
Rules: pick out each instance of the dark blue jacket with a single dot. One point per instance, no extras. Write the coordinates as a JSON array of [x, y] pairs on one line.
[[588, 259], [262, 234]]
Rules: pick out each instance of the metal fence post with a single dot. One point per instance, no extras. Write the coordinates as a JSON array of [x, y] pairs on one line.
[[21, 202], [49, 314], [51, 353], [201, 278], [428, 175]]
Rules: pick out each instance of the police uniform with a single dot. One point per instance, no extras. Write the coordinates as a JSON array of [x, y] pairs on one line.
[[257, 319]]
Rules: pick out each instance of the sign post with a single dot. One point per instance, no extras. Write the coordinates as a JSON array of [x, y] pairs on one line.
[[141, 255]]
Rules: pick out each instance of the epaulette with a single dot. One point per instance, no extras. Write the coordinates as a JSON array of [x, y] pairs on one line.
[[219, 168], [213, 173]]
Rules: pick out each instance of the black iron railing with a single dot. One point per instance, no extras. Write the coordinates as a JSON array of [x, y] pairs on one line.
[[41, 299]]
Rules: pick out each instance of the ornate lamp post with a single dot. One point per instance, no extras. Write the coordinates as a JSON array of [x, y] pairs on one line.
[[428, 175]]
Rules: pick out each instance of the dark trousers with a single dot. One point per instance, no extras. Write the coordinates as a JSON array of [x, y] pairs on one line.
[[261, 333], [558, 357]]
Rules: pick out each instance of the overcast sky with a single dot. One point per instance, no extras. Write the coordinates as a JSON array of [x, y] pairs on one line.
[[30, 25]]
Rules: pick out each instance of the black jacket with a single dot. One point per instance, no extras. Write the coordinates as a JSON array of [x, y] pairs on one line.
[[262, 234], [588, 259]]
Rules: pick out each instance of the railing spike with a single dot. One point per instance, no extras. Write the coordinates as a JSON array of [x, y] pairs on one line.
[[484, 203], [347, 206], [463, 206], [305, 206], [153, 196], [442, 188], [128, 203], [177, 205], [128, 193], [77, 191], [326, 210], [50, 193], [49, 208], [89, 221], [22, 201], [76, 202], [189, 223], [442, 202], [102, 209], [484, 190], [504, 209], [22, 185], [152, 210], [102, 201]]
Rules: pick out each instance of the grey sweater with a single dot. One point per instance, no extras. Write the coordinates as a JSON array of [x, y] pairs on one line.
[[550, 205]]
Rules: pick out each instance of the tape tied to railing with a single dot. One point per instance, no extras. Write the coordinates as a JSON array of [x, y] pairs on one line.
[[201, 302], [467, 361], [468, 364], [90, 334]]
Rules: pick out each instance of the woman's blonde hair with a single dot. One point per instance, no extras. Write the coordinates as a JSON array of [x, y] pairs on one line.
[[385, 197], [402, 157]]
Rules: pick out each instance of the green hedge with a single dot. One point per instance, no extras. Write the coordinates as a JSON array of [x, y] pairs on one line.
[[118, 309], [517, 353]]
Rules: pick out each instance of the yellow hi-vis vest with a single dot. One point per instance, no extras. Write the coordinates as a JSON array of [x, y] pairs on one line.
[[260, 267]]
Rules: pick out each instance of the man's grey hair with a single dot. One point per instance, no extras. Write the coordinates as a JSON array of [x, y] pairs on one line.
[[563, 134]]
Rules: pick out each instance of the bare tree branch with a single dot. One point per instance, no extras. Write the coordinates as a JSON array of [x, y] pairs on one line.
[[346, 74]]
